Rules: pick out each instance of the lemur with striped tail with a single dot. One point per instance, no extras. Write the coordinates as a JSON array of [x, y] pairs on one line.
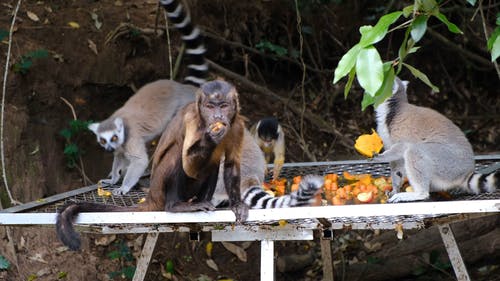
[[427, 148]]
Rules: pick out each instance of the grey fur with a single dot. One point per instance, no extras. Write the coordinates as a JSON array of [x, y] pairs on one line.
[[424, 146]]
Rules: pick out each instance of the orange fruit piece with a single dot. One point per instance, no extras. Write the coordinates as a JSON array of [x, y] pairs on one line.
[[368, 144]]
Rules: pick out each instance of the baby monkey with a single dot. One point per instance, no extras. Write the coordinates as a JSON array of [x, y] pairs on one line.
[[270, 137]]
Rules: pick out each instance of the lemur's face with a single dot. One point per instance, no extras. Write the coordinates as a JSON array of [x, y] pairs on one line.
[[112, 138]]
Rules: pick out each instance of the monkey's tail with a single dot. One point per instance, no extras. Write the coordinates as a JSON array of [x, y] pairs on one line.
[[257, 198], [65, 217], [192, 37], [481, 183]]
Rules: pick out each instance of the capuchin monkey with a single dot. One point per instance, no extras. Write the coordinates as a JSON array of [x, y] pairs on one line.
[[270, 137], [146, 114], [427, 148], [187, 165]]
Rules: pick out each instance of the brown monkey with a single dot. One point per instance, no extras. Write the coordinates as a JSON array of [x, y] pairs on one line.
[[186, 161], [206, 136], [188, 155]]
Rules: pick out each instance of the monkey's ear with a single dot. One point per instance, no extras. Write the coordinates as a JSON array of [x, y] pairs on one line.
[[93, 127], [118, 123]]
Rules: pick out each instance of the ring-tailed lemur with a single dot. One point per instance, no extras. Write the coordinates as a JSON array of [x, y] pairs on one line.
[[428, 148], [146, 114]]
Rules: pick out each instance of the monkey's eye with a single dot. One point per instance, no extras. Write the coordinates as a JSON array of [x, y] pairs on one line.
[[224, 105], [102, 141], [114, 138], [209, 106]]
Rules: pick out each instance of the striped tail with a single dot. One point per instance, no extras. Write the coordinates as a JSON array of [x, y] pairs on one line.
[[67, 214], [257, 198], [192, 37], [481, 183]]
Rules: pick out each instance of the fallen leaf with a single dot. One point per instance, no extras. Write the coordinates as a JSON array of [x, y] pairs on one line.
[[92, 46], [209, 248], [73, 24], [399, 230], [105, 240], [236, 250], [38, 257], [211, 263], [32, 16]]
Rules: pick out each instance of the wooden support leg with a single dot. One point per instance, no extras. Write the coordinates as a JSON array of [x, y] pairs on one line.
[[326, 256], [145, 258], [453, 252], [267, 260]]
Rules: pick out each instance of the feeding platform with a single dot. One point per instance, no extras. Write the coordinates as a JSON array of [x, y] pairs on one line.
[[302, 223]]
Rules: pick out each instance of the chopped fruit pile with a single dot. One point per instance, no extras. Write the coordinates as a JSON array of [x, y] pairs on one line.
[[340, 189]]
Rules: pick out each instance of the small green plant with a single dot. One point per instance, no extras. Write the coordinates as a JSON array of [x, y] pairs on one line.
[[276, 49], [71, 150], [3, 33], [124, 254], [26, 61], [4, 263], [434, 263]]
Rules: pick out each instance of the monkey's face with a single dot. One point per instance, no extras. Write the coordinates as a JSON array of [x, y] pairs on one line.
[[217, 107], [111, 138], [217, 114]]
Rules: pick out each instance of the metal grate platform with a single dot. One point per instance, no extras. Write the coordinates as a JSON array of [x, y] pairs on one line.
[[368, 216], [272, 225]]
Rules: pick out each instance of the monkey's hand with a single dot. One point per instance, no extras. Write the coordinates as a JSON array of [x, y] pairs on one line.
[[240, 210], [191, 207], [216, 131]]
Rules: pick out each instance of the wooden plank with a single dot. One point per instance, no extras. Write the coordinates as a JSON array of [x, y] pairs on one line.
[[453, 252], [145, 258]]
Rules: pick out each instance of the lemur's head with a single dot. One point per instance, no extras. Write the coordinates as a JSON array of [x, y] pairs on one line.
[[110, 133]]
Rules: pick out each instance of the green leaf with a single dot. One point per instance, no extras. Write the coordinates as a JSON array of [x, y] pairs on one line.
[[62, 275], [347, 87], [369, 70], [346, 63], [420, 75], [428, 6], [66, 133], [3, 34], [378, 32], [418, 28], [114, 255], [169, 266], [451, 26], [407, 11], [41, 53], [385, 90], [4, 263], [493, 37], [498, 19], [495, 50], [472, 2], [129, 272]]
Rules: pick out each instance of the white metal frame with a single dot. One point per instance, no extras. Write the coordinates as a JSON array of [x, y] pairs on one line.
[[256, 228]]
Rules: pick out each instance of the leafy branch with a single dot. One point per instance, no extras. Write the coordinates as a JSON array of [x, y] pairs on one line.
[[363, 60]]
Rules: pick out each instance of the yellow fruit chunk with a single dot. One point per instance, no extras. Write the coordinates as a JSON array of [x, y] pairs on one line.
[[365, 197], [367, 144], [102, 192]]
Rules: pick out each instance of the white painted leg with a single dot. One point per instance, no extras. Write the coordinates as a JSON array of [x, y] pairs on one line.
[[453, 252], [145, 258], [267, 260]]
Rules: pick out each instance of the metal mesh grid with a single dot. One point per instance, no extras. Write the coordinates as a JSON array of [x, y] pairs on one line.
[[289, 171]]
